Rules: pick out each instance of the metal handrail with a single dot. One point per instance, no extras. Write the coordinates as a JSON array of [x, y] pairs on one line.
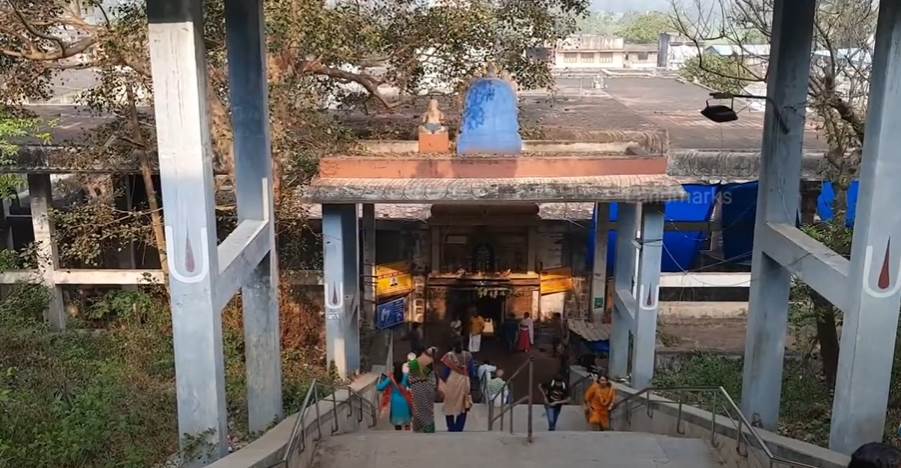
[[731, 410], [508, 407], [297, 441]]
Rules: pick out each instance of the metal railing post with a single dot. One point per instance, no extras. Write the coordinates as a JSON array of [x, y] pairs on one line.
[[490, 409], [713, 419], [679, 429], [318, 415], [335, 427], [531, 385]]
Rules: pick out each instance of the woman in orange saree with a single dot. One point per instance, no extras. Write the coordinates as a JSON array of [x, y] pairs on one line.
[[599, 401]]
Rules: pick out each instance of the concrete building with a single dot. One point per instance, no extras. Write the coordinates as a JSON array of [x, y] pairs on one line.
[[587, 52]]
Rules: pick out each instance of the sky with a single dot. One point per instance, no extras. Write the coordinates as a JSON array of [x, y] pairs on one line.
[[627, 5]]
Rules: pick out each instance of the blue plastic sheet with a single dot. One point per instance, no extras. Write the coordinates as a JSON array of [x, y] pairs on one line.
[[680, 247], [826, 202], [739, 212]]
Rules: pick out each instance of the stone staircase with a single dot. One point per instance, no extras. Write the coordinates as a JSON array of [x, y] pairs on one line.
[[571, 419], [502, 450]]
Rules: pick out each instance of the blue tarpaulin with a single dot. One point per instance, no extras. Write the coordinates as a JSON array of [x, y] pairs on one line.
[[826, 201], [739, 212], [680, 247]]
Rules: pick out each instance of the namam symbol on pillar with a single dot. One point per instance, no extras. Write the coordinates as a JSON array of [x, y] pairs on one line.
[[887, 282], [648, 297], [334, 301], [184, 264]]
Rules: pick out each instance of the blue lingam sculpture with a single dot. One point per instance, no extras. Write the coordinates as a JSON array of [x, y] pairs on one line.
[[490, 117]]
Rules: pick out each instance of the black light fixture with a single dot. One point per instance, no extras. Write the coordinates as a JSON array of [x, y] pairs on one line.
[[720, 113]]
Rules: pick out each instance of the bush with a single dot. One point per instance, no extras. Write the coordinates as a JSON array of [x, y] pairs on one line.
[[806, 401]]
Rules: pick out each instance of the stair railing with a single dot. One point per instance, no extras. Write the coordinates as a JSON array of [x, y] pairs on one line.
[[746, 435], [297, 443], [507, 407]]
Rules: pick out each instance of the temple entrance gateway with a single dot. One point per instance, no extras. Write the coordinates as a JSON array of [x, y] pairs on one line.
[[486, 245]]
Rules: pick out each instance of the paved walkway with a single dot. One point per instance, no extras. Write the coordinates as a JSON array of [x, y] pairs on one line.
[[499, 450]]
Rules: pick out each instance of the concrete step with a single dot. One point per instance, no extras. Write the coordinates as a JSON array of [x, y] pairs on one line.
[[572, 418], [502, 450]]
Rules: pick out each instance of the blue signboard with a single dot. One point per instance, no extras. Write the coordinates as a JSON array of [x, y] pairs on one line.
[[391, 313]]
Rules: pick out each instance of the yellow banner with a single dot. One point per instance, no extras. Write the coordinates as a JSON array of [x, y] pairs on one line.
[[556, 280], [393, 279]]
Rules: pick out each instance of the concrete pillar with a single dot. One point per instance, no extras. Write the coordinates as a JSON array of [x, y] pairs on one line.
[[341, 280], [777, 201], [644, 344], [599, 268], [248, 91], [369, 262], [871, 319], [185, 158], [624, 275], [532, 250], [40, 194]]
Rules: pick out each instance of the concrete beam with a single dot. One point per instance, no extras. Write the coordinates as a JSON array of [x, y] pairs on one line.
[[239, 255], [624, 277], [870, 321], [815, 264], [341, 262], [256, 267], [705, 280], [644, 345], [777, 202], [85, 277], [180, 85], [40, 194], [599, 267], [625, 305]]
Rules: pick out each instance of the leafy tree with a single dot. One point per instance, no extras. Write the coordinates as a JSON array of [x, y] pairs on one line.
[[599, 22], [645, 28], [370, 56], [13, 130], [838, 89], [725, 74]]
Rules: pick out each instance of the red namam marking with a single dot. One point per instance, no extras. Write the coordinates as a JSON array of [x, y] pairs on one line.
[[885, 274], [189, 255]]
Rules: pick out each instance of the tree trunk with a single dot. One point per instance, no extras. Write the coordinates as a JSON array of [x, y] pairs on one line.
[[156, 213], [840, 206], [827, 336]]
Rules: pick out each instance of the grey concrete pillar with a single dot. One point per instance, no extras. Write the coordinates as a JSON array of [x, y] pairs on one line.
[[777, 201], [248, 90], [624, 275], [369, 278], [644, 343], [180, 86], [40, 194], [341, 280], [599, 268], [871, 319]]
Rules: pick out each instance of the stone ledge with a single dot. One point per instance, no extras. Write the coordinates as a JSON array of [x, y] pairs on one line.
[[269, 448]]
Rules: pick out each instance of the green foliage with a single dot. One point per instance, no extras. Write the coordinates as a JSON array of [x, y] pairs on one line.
[[599, 22], [726, 74], [86, 229], [121, 305], [806, 400], [14, 130], [644, 28], [81, 398]]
